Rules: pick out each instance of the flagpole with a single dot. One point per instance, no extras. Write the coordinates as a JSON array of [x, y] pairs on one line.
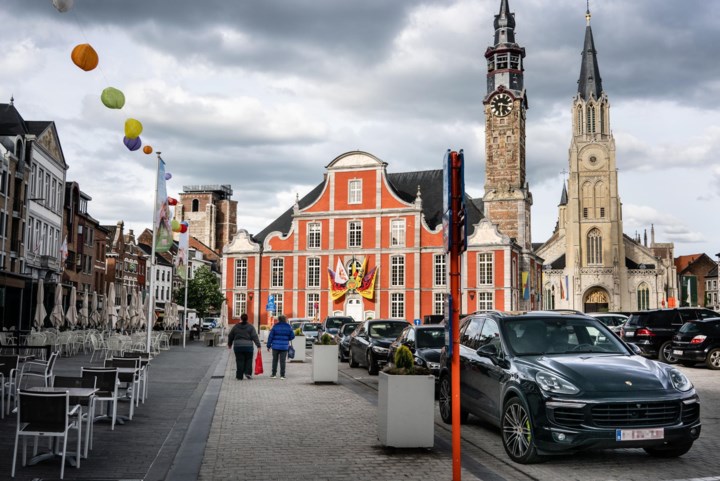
[[187, 276], [151, 270]]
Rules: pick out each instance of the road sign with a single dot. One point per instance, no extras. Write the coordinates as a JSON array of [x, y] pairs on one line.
[[270, 306], [417, 322]]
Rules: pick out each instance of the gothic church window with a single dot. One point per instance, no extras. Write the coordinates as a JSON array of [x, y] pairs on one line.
[[643, 297], [594, 247], [579, 119], [591, 119]]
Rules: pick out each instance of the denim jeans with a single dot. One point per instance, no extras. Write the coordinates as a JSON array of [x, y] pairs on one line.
[[243, 361], [282, 356]]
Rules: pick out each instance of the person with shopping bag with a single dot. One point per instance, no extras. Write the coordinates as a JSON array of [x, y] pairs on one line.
[[241, 339], [279, 341], [258, 363]]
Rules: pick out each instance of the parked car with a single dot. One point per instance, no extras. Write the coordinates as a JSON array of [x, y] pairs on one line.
[[425, 342], [370, 342], [557, 383], [698, 341], [342, 338], [210, 323], [652, 331], [311, 330], [332, 324], [612, 320], [296, 322]]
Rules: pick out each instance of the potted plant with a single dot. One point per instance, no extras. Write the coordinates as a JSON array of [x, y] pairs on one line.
[[325, 360], [406, 401], [264, 333], [299, 345]]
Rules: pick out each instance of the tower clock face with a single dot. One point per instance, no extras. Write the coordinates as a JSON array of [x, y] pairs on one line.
[[501, 105]]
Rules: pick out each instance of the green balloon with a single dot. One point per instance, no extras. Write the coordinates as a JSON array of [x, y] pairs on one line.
[[112, 98]]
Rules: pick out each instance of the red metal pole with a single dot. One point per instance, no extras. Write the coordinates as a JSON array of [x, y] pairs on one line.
[[455, 332]]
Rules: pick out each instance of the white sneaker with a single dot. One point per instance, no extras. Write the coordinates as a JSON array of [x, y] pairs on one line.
[[282, 378], [274, 377]]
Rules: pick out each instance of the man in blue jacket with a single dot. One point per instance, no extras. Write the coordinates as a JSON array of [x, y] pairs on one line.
[[279, 341]]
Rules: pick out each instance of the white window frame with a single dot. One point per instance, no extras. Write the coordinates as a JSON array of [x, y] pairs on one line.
[[241, 266], [314, 235], [397, 233], [485, 301], [397, 305], [313, 272], [354, 233], [277, 272], [355, 191], [485, 268], [440, 270], [397, 271], [312, 304], [439, 303], [278, 303], [239, 304]]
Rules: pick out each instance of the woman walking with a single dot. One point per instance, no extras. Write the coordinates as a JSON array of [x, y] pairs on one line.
[[279, 341], [241, 338]]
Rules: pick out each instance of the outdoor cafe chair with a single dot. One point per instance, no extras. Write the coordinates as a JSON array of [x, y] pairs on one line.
[[46, 415], [144, 370], [98, 347], [106, 381], [131, 380], [88, 403], [8, 371], [40, 369]]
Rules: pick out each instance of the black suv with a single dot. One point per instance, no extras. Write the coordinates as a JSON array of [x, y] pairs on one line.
[[652, 331], [370, 342], [557, 383], [698, 341]]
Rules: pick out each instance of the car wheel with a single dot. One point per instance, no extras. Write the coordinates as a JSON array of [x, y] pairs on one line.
[[713, 359], [669, 451], [445, 402], [517, 433], [372, 364], [351, 359], [666, 354]]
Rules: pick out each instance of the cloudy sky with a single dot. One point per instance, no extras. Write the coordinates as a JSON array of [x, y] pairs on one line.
[[263, 94]]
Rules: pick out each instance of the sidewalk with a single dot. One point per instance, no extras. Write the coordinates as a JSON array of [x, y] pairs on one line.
[[269, 429]]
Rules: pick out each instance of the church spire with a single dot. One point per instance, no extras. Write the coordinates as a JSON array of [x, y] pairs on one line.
[[590, 83], [504, 24]]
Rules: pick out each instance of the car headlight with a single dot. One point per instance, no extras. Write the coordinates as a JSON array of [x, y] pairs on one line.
[[380, 350], [679, 380], [433, 365], [554, 384]]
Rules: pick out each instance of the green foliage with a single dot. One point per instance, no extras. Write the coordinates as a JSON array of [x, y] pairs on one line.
[[404, 358], [203, 293], [298, 332], [264, 328], [327, 340]]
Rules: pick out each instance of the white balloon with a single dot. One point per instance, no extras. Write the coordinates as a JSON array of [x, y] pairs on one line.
[[63, 5]]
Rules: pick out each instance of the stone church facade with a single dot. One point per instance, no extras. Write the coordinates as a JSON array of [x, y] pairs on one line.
[[589, 263]]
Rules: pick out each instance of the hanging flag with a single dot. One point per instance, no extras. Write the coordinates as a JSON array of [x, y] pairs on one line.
[[525, 285], [367, 287], [562, 290], [161, 222], [341, 276], [337, 290], [567, 287], [63, 253], [689, 292], [182, 253]]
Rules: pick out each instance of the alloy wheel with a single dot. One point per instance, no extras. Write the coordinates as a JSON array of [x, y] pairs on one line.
[[713, 359], [445, 400], [667, 353], [517, 433]]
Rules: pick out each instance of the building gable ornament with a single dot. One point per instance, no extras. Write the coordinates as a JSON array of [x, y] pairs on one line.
[[485, 232], [242, 242]]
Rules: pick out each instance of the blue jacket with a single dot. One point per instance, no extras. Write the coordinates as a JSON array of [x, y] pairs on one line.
[[280, 336]]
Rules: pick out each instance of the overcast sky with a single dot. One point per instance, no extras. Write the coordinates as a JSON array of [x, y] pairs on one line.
[[263, 94]]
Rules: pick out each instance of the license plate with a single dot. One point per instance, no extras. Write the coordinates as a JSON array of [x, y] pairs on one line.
[[629, 333], [678, 353], [639, 434]]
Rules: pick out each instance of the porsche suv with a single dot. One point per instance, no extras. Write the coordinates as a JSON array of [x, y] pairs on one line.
[[558, 383]]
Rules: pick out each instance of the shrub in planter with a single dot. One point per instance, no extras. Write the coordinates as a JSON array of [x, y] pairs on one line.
[[404, 364], [325, 360], [327, 340]]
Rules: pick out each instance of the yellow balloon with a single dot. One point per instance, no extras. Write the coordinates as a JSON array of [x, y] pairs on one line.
[[133, 128]]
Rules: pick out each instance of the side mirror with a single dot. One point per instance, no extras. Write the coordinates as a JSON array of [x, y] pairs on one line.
[[635, 349], [489, 351]]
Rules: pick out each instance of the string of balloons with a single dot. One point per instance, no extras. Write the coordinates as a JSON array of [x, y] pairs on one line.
[[85, 57]]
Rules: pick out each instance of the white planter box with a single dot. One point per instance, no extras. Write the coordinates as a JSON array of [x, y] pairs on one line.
[[325, 363], [406, 417], [299, 344], [264, 335]]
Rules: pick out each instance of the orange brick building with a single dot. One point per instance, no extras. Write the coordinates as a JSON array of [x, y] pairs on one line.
[[370, 222]]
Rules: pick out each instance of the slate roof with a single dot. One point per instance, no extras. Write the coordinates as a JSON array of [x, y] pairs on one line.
[[11, 122], [405, 186], [590, 83], [37, 127]]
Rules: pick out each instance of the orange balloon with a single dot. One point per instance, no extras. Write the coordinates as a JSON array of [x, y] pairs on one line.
[[85, 57], [148, 149]]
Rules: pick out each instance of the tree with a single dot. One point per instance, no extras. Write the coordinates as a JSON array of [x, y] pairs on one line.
[[204, 294]]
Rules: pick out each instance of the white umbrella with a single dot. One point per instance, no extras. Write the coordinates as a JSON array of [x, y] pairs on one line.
[[123, 316], [57, 315], [40, 312], [94, 314], [133, 310], [72, 315], [110, 313], [85, 311], [142, 311], [223, 318]]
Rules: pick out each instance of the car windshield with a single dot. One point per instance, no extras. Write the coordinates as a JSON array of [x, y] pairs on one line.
[[690, 328], [560, 336], [387, 329], [430, 338], [335, 322], [347, 329], [311, 327]]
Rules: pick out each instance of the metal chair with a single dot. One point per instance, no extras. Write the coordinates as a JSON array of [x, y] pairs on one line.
[[47, 415], [89, 403], [106, 381], [130, 380], [144, 370], [40, 369]]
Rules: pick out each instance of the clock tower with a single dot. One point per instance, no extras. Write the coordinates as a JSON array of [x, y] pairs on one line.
[[507, 198]]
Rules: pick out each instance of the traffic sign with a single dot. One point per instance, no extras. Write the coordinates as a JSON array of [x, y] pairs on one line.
[[417, 322], [270, 306]]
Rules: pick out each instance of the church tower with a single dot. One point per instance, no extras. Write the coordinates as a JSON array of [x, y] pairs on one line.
[[507, 198]]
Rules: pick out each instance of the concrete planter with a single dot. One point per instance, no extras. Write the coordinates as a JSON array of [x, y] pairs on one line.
[[406, 417], [299, 344], [264, 335], [325, 363]]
